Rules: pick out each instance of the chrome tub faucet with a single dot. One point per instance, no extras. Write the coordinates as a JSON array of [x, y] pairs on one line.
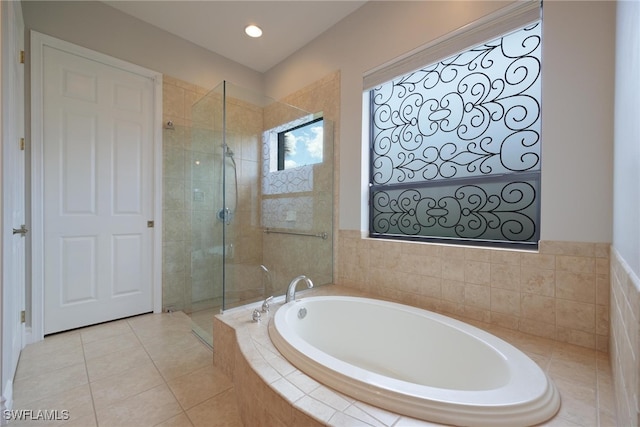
[[291, 290]]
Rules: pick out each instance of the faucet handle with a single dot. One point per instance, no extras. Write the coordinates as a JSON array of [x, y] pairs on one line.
[[265, 304], [256, 315]]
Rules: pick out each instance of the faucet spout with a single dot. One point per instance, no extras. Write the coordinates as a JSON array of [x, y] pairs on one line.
[[291, 290]]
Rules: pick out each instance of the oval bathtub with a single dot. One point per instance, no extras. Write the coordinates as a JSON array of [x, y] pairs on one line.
[[413, 362]]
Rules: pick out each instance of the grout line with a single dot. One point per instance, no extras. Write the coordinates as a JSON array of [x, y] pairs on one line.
[[165, 381], [142, 391], [86, 368]]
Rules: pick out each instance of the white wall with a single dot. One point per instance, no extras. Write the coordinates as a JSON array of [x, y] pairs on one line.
[[577, 117], [107, 30], [577, 120], [626, 188]]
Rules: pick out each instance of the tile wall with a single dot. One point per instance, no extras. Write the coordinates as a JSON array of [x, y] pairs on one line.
[[191, 232], [192, 259], [243, 276], [625, 327], [560, 292], [289, 256]]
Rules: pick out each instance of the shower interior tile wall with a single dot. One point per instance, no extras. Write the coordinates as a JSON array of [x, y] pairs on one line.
[[243, 275], [561, 292], [177, 98], [289, 256], [190, 224], [192, 233]]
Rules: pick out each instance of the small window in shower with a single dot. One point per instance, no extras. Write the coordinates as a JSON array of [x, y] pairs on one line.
[[301, 145]]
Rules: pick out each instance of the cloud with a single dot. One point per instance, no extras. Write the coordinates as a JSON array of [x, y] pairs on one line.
[[315, 143], [303, 146], [290, 164]]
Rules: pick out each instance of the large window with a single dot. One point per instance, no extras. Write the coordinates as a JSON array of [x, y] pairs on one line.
[[455, 147]]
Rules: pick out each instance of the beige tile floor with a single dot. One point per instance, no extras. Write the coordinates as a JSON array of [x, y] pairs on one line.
[[148, 370]]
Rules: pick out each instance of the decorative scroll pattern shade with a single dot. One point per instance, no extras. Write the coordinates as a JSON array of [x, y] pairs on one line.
[[455, 146]]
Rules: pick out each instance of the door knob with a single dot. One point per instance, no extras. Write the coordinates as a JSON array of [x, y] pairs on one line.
[[22, 230]]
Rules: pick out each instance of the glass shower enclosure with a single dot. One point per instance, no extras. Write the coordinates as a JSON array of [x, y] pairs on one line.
[[260, 198]]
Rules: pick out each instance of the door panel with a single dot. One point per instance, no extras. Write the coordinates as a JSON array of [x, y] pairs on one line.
[[128, 256], [127, 163], [77, 164], [98, 191]]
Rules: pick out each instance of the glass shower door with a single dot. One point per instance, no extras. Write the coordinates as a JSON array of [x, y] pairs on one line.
[[253, 226], [243, 125], [205, 198]]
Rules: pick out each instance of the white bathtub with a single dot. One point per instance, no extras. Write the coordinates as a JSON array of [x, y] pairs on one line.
[[413, 362]]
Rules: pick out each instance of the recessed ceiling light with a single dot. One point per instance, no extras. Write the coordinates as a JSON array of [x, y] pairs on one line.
[[253, 31]]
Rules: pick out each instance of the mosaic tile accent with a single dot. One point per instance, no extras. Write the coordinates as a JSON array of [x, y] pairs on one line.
[[288, 212], [276, 181]]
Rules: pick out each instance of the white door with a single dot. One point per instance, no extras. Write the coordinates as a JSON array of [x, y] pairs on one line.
[[98, 159], [13, 194]]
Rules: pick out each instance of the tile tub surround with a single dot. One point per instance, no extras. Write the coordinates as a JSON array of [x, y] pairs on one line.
[[560, 292], [625, 330], [272, 392]]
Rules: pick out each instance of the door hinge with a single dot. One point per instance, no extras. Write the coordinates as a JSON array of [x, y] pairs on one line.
[[23, 316], [150, 224], [22, 144], [21, 231], [22, 56]]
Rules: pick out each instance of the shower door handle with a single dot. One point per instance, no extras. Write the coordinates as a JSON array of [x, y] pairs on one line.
[[224, 215]]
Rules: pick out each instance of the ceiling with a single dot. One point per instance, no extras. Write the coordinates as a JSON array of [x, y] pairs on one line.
[[219, 25]]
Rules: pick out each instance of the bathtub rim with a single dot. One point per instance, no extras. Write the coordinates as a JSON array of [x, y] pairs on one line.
[[541, 407]]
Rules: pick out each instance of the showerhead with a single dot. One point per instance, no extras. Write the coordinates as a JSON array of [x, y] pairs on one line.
[[228, 151]]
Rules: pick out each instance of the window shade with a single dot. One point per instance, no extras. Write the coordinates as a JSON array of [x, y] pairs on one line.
[[511, 17]]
